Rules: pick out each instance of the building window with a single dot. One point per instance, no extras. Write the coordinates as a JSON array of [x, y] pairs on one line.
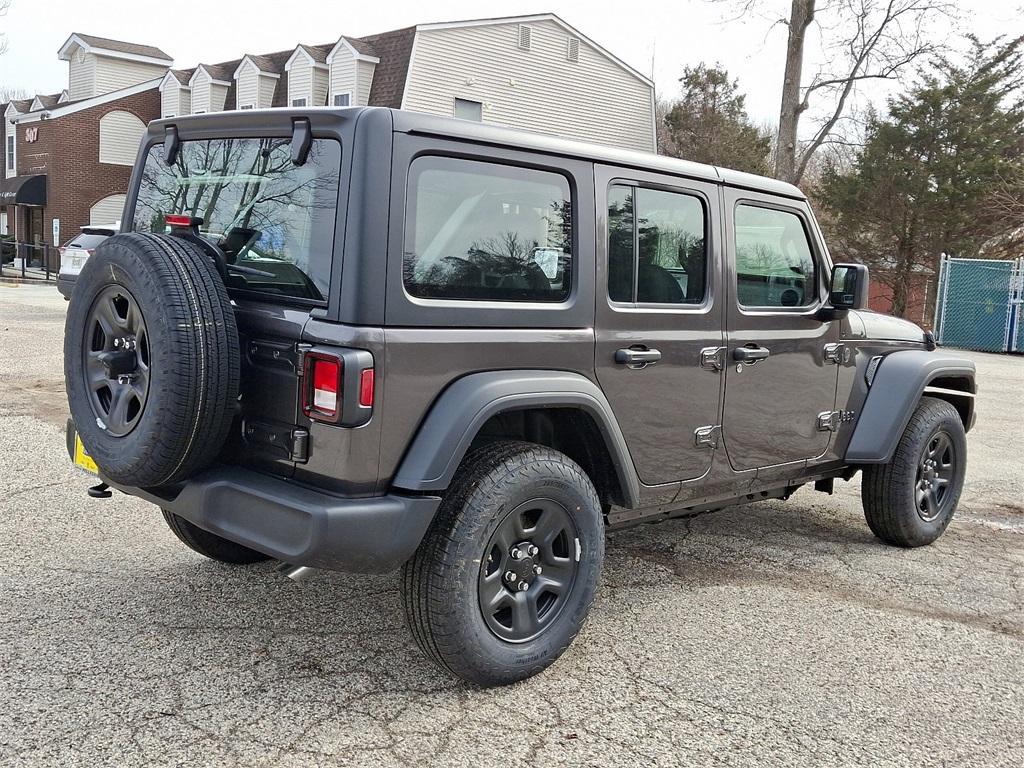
[[298, 102], [343, 99], [572, 49], [167, 117], [246, 106], [199, 112], [481, 231], [10, 153], [469, 110], [525, 37]]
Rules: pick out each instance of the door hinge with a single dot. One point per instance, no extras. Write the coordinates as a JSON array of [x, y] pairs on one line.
[[829, 421], [707, 436], [837, 353], [712, 358]]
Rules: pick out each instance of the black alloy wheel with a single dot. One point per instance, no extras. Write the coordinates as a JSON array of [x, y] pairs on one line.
[[528, 570], [115, 357], [935, 473]]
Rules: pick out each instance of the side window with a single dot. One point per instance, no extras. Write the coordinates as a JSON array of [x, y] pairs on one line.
[[487, 232], [774, 263], [657, 246]]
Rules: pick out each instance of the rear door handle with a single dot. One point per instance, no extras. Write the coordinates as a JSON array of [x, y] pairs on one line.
[[638, 357], [750, 354]]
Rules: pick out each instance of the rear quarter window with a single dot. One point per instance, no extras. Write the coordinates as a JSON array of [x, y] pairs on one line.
[[482, 231], [274, 220]]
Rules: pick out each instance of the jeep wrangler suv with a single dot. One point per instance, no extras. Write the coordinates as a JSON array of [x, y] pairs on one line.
[[364, 340]]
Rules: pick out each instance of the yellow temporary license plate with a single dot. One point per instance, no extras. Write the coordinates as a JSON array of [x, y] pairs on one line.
[[83, 459]]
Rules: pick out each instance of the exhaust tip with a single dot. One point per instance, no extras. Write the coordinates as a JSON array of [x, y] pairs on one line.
[[294, 572]]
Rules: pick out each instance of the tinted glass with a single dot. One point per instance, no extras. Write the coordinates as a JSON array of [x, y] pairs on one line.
[[657, 252], [483, 231], [273, 220], [774, 265], [86, 241]]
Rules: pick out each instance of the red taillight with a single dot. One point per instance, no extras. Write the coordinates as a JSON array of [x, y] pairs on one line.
[[178, 220], [322, 388], [366, 388]]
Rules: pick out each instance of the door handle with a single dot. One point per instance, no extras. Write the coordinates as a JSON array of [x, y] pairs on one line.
[[637, 357], [750, 354]]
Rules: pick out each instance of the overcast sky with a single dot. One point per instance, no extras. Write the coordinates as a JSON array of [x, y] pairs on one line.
[[658, 38]]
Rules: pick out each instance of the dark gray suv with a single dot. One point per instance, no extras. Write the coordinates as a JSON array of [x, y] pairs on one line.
[[364, 340]]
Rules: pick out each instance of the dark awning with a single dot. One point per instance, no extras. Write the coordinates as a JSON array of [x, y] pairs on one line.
[[23, 190]]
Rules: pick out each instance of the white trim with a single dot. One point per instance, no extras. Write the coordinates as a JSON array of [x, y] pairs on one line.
[[95, 101], [254, 65], [64, 96], [536, 17], [355, 54], [202, 68], [63, 54], [309, 57], [177, 82], [11, 111], [33, 108], [408, 69]]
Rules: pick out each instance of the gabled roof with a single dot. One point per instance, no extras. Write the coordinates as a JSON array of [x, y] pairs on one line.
[[266, 63], [45, 101], [360, 49], [103, 46], [222, 73], [182, 76], [317, 54], [70, 107], [19, 106]]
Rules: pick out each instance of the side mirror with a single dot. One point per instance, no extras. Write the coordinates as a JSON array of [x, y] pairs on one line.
[[849, 286]]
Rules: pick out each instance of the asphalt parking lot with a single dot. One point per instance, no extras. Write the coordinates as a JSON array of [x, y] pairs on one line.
[[773, 634]]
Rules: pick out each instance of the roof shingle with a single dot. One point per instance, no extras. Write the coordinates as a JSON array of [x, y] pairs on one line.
[[123, 47]]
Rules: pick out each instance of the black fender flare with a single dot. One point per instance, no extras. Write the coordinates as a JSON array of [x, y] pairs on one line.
[[462, 409], [900, 381]]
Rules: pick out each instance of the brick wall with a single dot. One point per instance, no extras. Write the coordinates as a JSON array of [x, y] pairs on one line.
[[919, 307], [67, 151]]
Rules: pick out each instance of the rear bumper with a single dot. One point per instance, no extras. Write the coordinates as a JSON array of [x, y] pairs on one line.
[[66, 284], [297, 524]]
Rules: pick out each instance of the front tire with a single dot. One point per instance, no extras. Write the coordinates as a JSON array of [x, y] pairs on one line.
[[910, 501], [504, 579]]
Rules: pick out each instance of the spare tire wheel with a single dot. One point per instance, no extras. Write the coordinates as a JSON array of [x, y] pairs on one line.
[[151, 359]]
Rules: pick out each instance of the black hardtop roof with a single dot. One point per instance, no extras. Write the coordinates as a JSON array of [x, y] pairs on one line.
[[465, 130]]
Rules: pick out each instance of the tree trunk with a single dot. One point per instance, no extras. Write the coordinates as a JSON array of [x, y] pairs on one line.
[[801, 15]]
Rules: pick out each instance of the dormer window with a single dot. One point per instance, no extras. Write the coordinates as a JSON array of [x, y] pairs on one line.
[[343, 99]]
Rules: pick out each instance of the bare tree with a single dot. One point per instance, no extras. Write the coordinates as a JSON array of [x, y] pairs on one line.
[[862, 40], [4, 5]]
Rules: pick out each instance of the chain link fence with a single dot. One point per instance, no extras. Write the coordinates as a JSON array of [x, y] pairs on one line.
[[979, 304]]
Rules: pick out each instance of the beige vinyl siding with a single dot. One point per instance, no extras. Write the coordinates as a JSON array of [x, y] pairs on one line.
[[82, 77], [201, 93], [299, 80], [343, 74], [594, 99], [120, 135], [268, 85], [185, 100], [107, 211], [170, 101], [364, 79], [321, 82], [114, 74], [218, 96], [247, 87]]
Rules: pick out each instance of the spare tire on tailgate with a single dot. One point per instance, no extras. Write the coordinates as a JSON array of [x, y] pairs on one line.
[[151, 359]]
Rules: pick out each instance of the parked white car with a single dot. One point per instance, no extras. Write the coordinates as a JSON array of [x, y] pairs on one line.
[[75, 252]]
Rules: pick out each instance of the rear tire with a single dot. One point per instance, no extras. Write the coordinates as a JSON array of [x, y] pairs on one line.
[[506, 495], [210, 544], [910, 501]]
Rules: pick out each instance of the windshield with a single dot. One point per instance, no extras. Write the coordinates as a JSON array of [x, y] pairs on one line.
[[273, 220], [86, 241]]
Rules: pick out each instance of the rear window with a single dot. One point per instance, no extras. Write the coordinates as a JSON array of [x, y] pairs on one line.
[[273, 220], [86, 241], [486, 232]]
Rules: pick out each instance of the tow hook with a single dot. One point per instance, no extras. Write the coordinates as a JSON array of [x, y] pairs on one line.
[[294, 572], [100, 491]]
